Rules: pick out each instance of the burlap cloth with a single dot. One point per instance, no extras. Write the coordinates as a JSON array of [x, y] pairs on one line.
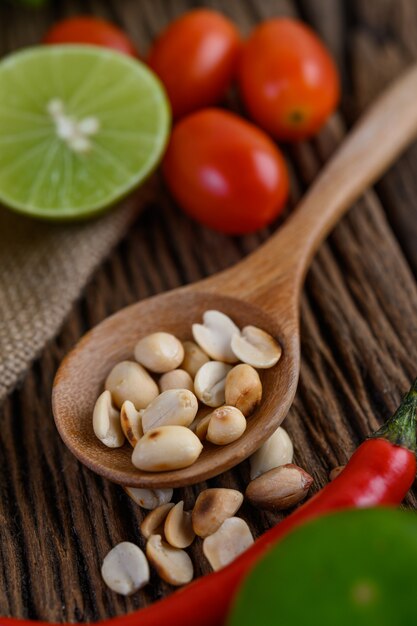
[[43, 268]]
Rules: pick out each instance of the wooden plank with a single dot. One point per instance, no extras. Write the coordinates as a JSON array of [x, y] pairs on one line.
[[383, 44], [359, 326]]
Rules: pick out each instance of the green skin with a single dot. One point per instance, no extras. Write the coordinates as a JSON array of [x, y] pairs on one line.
[[355, 567]]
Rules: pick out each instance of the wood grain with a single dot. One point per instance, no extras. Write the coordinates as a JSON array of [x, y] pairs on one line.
[[358, 324]]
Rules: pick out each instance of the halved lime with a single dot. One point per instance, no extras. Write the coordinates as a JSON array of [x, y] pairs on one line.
[[80, 126]]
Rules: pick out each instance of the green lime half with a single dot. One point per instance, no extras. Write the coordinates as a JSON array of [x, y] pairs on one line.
[[80, 126], [357, 568]]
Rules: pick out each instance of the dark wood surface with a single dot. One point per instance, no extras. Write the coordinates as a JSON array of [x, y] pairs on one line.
[[359, 320]]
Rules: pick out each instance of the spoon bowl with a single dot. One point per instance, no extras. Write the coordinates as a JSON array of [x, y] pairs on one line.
[[80, 381], [262, 290]]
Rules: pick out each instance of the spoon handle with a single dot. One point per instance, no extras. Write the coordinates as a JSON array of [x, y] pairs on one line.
[[382, 133]]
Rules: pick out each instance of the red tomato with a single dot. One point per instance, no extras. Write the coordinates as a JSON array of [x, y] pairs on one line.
[[90, 30], [288, 81], [196, 57], [225, 172]]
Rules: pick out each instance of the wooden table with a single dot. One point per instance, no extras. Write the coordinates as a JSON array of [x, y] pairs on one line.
[[359, 320]]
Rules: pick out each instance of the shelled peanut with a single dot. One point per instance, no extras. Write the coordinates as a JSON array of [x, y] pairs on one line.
[[167, 404], [157, 402], [169, 530]]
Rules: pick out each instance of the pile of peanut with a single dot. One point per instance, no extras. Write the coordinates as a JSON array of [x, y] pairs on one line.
[[276, 484], [166, 403], [176, 395]]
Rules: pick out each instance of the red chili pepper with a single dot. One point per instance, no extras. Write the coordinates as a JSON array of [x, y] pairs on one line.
[[379, 473]]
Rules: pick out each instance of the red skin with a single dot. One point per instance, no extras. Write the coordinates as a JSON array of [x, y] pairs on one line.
[[196, 59], [378, 474], [288, 80], [90, 30], [225, 172]]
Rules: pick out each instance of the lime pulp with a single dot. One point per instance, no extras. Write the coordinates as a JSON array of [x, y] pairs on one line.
[[80, 127]]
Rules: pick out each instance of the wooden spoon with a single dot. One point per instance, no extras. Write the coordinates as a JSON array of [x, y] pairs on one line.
[[264, 290]]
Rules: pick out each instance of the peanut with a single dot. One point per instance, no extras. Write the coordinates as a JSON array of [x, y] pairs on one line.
[[130, 381], [178, 528], [243, 388], [125, 569], [214, 336], [106, 422], [166, 448], [131, 422], [277, 450], [176, 379], [149, 498], [159, 352], [279, 488], [172, 564], [153, 523], [173, 407], [224, 546], [256, 347], [194, 358], [210, 382], [226, 424], [212, 508]]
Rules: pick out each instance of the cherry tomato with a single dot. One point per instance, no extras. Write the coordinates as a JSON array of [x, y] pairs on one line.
[[225, 172], [288, 81], [196, 58], [90, 30]]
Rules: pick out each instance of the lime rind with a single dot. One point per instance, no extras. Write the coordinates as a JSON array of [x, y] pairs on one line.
[[39, 174], [348, 568]]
